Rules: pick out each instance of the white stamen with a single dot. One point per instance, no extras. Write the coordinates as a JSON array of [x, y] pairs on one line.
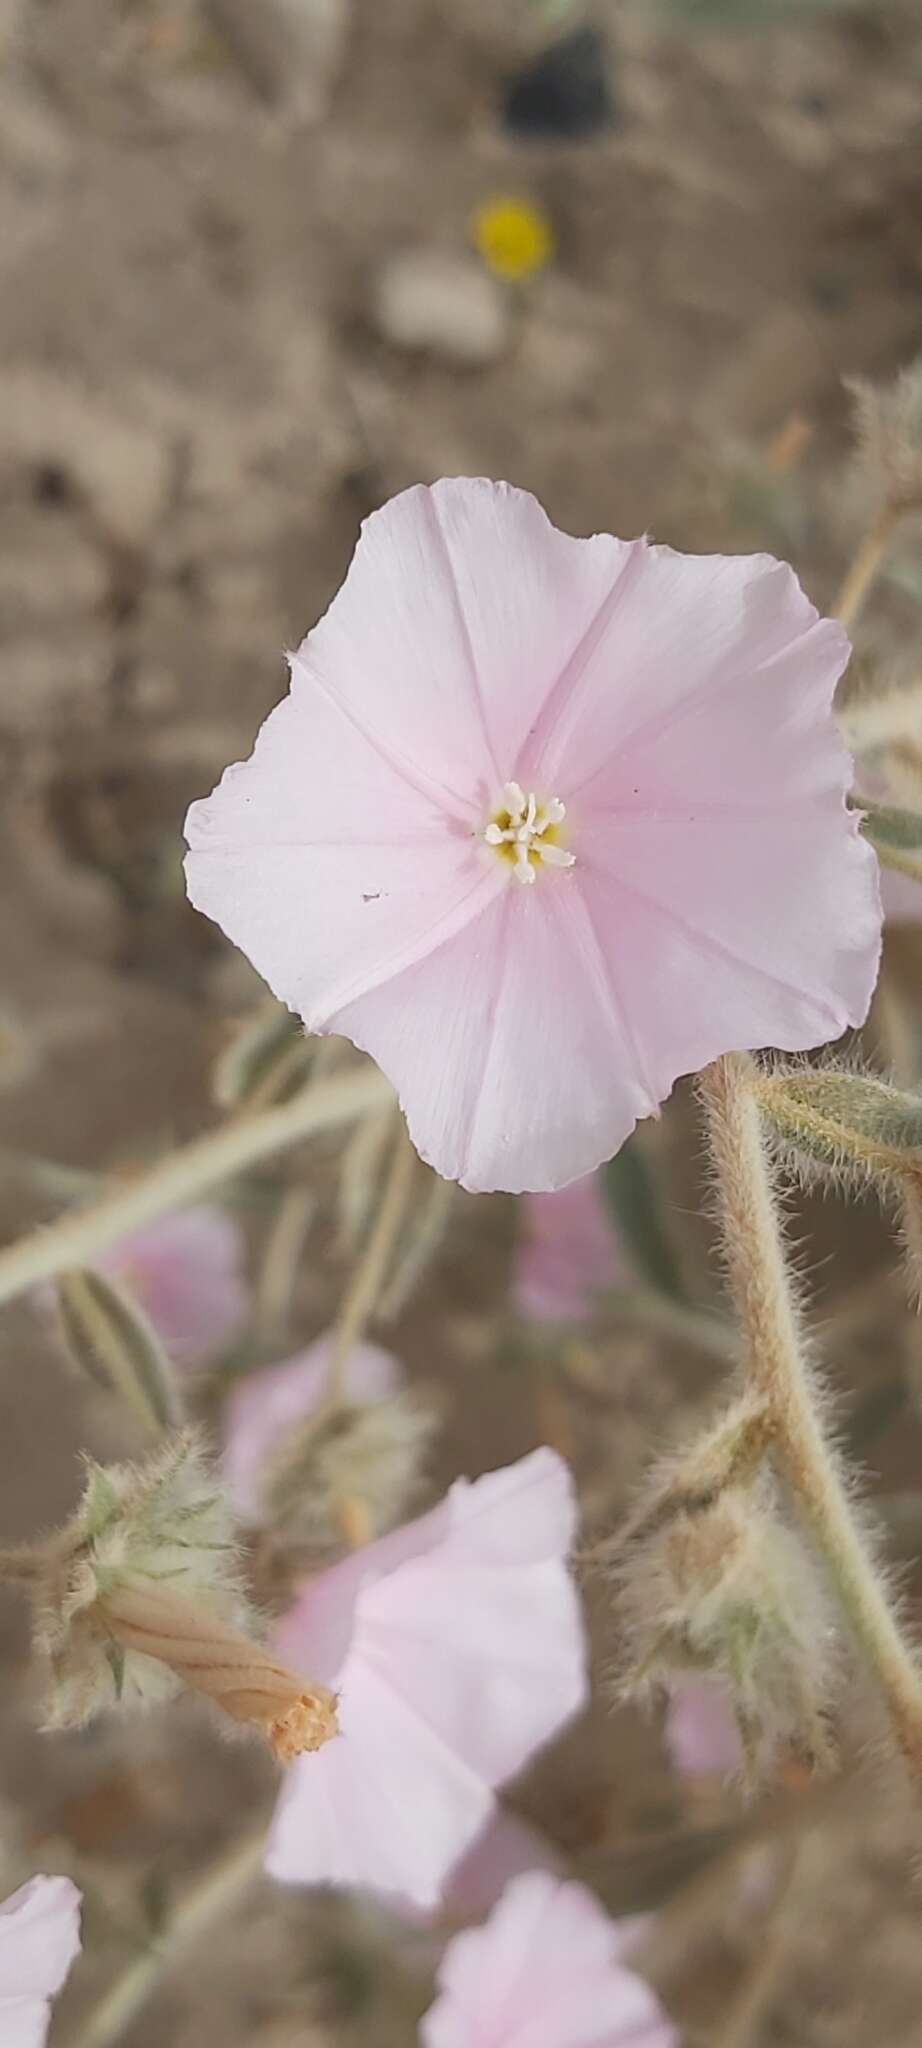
[[527, 822]]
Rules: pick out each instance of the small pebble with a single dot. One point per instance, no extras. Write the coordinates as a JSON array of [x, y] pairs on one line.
[[427, 299]]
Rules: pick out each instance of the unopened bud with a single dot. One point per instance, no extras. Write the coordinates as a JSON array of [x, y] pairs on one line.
[[351, 1471], [888, 424], [730, 1593], [841, 1123], [139, 1595]]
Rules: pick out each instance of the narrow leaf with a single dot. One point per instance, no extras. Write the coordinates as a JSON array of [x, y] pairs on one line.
[[636, 1206], [845, 1120], [895, 835], [110, 1340]]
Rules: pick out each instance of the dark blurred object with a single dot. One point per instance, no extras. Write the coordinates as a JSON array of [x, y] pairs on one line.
[[564, 94], [742, 14]]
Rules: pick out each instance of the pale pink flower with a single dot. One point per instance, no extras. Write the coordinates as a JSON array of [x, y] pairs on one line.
[[645, 737], [545, 1972], [39, 1939], [186, 1273], [567, 1253], [456, 1647], [267, 1405], [507, 1848], [700, 1730]]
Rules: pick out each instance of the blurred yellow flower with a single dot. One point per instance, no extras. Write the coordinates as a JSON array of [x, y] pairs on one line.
[[514, 237]]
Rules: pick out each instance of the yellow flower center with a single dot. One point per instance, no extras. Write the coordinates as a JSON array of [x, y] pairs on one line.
[[526, 833]]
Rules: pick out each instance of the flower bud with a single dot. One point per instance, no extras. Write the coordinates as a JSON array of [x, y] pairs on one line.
[[315, 1469], [139, 1595], [888, 423], [730, 1593], [841, 1123]]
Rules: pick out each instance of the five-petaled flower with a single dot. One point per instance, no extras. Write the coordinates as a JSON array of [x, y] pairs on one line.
[[39, 1938], [645, 737], [546, 1971], [456, 1648]]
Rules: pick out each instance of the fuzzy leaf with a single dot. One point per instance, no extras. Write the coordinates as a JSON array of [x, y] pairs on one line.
[[636, 1206], [843, 1120], [895, 835], [111, 1341]]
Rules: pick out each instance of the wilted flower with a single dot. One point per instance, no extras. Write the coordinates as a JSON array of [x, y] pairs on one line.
[[545, 1972], [289, 1458], [139, 1595], [701, 1731], [513, 236], [567, 1252], [186, 1271], [455, 1647], [641, 737], [39, 1939]]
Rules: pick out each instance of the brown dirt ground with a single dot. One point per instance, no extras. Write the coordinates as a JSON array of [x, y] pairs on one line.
[[195, 412]]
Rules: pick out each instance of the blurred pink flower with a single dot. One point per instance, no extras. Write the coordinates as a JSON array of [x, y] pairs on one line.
[[456, 1646], [545, 1972], [567, 1252], [508, 1847], [700, 1730], [266, 1405], [186, 1273], [644, 736], [39, 1938]]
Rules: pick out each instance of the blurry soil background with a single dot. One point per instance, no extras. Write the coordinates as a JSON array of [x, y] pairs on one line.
[[239, 307]]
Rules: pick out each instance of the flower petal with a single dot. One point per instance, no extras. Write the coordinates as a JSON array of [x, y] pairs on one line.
[[485, 1634], [515, 1066], [186, 1271], [683, 632], [385, 1805], [731, 936], [700, 1730], [568, 1252], [328, 868], [39, 1939], [542, 1973], [460, 608]]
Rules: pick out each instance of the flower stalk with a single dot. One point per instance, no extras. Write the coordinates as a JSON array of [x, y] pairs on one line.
[[761, 1286], [76, 1239], [865, 565], [372, 1270]]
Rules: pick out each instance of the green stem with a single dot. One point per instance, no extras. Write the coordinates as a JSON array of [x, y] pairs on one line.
[[204, 1904], [78, 1238], [779, 1374]]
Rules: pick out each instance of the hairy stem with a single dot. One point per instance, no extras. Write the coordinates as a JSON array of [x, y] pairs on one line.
[[204, 1904], [77, 1238], [778, 1371], [865, 565], [372, 1269]]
